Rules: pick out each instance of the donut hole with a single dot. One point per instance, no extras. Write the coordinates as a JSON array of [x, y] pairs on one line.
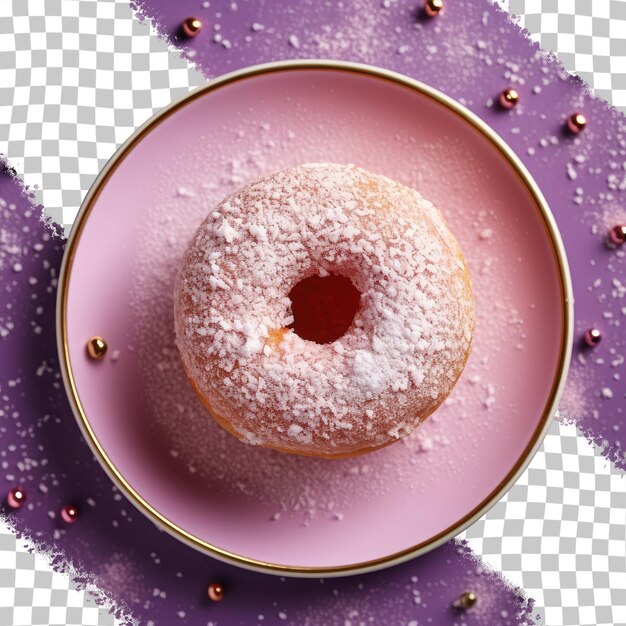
[[323, 307]]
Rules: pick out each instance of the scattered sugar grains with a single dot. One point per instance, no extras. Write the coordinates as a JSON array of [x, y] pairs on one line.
[[410, 601], [288, 486], [574, 404], [404, 351], [15, 256]]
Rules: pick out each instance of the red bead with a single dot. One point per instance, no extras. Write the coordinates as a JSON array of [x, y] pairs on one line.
[[192, 26], [16, 498], [215, 591], [508, 98], [69, 513], [576, 123], [617, 234], [593, 337]]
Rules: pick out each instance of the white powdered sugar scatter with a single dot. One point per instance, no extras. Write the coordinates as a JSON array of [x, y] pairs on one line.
[[308, 491], [395, 364]]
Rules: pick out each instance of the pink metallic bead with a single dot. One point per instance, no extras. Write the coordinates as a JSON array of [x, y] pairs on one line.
[[433, 7], [192, 26], [593, 337], [508, 98], [16, 498], [576, 123], [215, 591], [69, 513], [617, 234]]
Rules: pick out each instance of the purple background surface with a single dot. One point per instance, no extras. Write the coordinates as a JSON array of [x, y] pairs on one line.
[[470, 52]]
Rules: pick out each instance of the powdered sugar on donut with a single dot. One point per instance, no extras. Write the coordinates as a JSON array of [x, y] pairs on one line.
[[396, 363]]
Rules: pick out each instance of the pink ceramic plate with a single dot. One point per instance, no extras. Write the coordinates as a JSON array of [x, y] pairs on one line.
[[263, 509]]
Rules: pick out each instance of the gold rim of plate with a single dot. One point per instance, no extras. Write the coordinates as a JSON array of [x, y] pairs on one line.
[[557, 384]]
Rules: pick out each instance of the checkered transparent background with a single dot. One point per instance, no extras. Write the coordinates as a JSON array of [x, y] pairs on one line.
[[76, 78], [31, 593], [589, 37], [560, 533]]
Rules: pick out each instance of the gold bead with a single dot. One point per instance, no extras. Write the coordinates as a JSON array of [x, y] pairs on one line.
[[576, 123], [192, 26], [96, 347], [466, 601], [433, 7], [215, 591], [509, 98]]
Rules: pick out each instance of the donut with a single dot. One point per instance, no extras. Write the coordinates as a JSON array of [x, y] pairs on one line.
[[323, 310]]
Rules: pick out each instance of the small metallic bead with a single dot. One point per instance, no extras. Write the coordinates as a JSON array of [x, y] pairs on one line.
[[576, 123], [433, 7], [617, 234], [96, 347], [215, 591], [69, 513], [192, 26], [508, 98], [593, 337], [466, 601], [16, 498]]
